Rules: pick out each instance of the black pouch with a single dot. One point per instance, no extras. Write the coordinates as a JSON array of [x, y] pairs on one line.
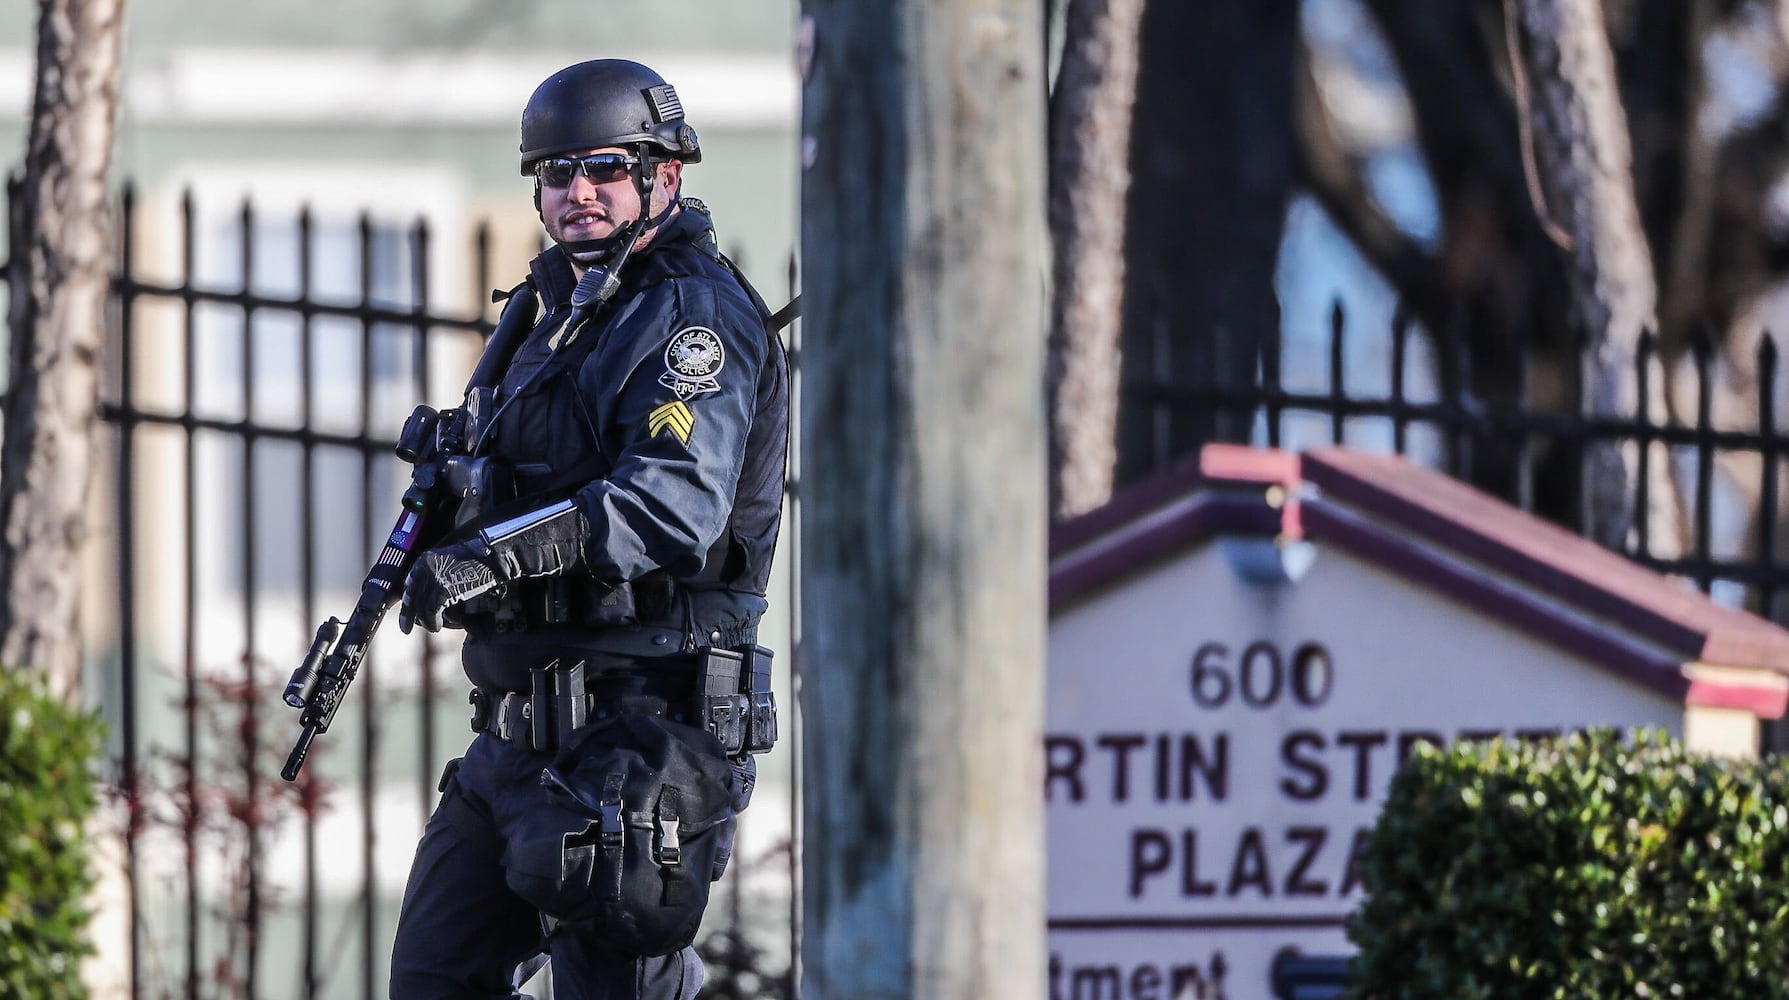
[[634, 823], [612, 605]]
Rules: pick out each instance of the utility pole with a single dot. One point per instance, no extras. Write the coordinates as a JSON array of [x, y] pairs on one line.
[[923, 498], [62, 248]]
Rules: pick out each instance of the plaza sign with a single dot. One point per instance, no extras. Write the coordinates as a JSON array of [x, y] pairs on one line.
[[1239, 660]]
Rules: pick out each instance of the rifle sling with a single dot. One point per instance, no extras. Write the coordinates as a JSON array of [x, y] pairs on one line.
[[513, 327]]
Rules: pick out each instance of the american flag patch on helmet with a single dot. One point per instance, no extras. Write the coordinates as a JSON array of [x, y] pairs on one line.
[[665, 105]]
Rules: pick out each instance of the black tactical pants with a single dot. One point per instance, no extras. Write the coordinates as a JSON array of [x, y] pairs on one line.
[[462, 933]]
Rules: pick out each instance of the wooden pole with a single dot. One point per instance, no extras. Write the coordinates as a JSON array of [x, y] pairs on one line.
[[923, 499]]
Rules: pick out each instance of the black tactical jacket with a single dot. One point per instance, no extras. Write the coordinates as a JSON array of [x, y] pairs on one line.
[[665, 416]]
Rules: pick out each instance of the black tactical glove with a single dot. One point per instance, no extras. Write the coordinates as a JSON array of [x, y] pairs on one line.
[[443, 578], [545, 542]]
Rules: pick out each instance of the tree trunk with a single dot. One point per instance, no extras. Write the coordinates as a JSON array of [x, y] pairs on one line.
[[1499, 301], [1213, 162], [923, 500], [1584, 159], [61, 254], [1090, 177], [1658, 55]]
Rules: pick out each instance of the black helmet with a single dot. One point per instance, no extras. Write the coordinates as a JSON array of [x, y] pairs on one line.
[[605, 102]]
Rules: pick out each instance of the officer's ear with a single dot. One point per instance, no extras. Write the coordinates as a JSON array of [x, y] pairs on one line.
[[671, 175], [537, 196]]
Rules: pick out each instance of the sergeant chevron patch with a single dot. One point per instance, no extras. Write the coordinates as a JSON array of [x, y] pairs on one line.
[[674, 417]]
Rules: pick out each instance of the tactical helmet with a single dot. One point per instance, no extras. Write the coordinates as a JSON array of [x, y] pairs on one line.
[[605, 102]]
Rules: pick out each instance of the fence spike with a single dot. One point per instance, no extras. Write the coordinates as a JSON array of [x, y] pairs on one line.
[[1767, 388], [1702, 344]]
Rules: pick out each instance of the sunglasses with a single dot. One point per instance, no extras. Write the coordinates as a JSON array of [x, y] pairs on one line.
[[601, 168]]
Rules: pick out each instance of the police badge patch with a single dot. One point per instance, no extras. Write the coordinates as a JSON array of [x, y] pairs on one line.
[[692, 360]]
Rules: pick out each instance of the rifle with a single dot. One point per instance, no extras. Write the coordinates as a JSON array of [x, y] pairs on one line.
[[437, 445], [433, 442]]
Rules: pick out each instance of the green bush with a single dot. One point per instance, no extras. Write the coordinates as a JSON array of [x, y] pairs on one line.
[[46, 794], [1591, 866]]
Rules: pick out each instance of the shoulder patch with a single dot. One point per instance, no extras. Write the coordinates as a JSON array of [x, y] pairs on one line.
[[692, 360]]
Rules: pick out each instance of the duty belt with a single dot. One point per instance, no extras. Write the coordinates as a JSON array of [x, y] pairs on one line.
[[730, 697], [644, 617], [558, 705]]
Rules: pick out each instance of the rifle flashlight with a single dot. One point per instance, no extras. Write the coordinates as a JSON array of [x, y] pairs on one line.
[[304, 680]]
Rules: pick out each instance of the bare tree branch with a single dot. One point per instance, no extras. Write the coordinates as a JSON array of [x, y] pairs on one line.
[[1525, 131]]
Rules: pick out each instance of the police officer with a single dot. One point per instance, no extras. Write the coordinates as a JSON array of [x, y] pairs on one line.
[[629, 460]]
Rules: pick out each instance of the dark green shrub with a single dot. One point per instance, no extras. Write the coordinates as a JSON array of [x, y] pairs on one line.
[[1586, 867], [46, 794]]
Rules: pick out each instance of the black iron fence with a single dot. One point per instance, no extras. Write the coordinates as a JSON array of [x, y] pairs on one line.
[[258, 368], [1723, 449]]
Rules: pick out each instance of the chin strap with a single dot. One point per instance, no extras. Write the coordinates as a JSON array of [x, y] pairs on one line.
[[593, 253]]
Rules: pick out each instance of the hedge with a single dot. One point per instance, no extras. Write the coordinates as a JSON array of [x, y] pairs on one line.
[[46, 794], [1592, 866]]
